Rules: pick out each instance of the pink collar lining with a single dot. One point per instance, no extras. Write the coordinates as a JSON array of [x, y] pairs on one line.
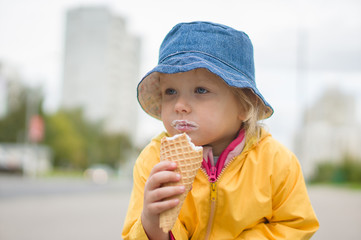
[[233, 149]]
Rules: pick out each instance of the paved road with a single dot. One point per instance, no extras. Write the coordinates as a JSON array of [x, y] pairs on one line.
[[339, 213], [75, 209], [59, 209]]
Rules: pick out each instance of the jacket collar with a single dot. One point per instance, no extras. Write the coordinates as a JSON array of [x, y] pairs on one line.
[[234, 149]]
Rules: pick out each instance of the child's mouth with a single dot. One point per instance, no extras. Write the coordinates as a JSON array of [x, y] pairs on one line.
[[184, 125]]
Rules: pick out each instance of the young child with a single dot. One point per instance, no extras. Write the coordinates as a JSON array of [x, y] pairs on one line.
[[249, 186]]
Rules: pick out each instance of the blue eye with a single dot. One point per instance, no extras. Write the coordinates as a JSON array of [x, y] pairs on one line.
[[201, 90], [170, 91]]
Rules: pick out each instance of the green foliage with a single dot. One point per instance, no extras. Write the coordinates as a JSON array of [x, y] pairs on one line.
[[77, 143], [351, 168], [12, 127], [67, 143], [110, 148], [347, 171]]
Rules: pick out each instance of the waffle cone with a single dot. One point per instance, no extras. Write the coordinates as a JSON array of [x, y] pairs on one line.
[[189, 158]]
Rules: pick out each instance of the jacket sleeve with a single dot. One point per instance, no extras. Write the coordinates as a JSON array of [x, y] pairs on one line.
[[133, 228], [292, 214]]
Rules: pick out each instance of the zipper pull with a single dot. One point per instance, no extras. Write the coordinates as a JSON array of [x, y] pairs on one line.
[[213, 191], [213, 174]]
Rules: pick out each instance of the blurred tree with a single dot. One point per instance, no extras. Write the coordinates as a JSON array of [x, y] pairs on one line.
[[114, 148], [79, 143], [65, 140], [351, 167], [90, 133], [348, 170], [74, 141], [13, 126]]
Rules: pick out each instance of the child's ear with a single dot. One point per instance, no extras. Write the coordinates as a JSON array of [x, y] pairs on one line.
[[243, 112], [242, 115]]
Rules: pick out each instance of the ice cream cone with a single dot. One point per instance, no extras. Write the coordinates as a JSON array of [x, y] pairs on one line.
[[188, 157]]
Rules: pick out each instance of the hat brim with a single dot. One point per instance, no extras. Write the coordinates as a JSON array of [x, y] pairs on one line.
[[148, 91]]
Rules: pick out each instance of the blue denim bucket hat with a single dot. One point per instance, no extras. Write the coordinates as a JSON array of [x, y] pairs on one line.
[[222, 50]]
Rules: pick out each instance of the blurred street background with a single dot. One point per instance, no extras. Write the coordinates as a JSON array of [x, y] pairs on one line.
[[71, 128], [61, 208], [77, 209]]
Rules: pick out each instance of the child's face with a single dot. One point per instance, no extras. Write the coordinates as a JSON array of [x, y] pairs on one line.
[[202, 105]]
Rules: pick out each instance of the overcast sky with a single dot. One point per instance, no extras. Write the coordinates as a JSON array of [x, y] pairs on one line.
[[324, 35]]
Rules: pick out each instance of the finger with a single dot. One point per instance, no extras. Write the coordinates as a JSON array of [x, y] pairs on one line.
[[163, 166], [158, 179], [160, 194], [159, 207]]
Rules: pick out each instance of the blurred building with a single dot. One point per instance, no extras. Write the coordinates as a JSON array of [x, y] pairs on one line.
[[330, 131], [101, 68]]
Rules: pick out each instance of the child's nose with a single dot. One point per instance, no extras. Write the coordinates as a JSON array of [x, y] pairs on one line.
[[182, 105]]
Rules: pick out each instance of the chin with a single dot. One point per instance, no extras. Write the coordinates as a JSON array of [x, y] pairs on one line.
[[194, 139]]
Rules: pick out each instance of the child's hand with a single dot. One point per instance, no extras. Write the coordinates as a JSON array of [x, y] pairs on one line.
[[154, 195]]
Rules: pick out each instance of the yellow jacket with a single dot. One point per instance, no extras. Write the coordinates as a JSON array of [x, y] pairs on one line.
[[260, 195]]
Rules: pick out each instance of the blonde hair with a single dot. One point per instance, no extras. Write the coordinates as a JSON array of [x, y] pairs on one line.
[[254, 111]]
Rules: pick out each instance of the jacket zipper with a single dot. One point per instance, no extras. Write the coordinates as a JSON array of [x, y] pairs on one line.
[[224, 168], [213, 180]]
